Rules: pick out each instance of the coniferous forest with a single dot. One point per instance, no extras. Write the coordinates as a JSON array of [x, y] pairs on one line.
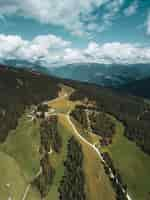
[[126, 108], [18, 90], [72, 183]]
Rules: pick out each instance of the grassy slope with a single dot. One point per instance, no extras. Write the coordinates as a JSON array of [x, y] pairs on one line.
[[62, 106], [98, 186], [23, 145], [10, 173], [133, 164], [33, 194], [20, 150]]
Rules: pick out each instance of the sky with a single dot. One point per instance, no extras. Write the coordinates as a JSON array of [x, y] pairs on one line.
[[55, 32]]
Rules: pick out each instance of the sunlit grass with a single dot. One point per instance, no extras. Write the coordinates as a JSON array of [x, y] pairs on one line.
[[11, 177], [22, 144], [133, 164]]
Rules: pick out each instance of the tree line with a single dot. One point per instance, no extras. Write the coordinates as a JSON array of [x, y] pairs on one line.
[[19, 89], [115, 178], [125, 108], [50, 140], [72, 184], [100, 122], [50, 137]]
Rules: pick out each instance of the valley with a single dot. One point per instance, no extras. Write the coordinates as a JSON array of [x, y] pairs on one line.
[[27, 146], [37, 148]]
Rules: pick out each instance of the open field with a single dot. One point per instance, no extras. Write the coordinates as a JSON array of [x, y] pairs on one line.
[[133, 164], [20, 159], [62, 106], [98, 186], [11, 177], [22, 144]]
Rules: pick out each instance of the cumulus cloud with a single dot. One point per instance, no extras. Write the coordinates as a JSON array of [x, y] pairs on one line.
[[10, 44], [118, 53], [131, 10], [50, 50], [40, 47], [67, 13]]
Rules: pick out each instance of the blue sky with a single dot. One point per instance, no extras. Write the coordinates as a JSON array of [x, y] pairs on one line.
[[103, 31]]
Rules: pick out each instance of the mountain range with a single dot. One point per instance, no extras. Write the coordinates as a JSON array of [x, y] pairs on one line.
[[102, 74]]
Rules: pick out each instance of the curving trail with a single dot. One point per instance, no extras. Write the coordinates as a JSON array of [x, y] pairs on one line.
[[29, 185], [93, 146], [88, 143], [83, 139]]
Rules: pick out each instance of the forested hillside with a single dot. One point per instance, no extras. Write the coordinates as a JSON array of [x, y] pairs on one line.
[[125, 108], [70, 107], [72, 183], [19, 89], [138, 88]]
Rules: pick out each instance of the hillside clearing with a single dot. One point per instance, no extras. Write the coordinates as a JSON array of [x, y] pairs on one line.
[[10, 177], [20, 152], [22, 144], [133, 164]]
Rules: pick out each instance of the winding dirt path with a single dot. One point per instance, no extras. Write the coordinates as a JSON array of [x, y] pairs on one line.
[[88, 143], [97, 151]]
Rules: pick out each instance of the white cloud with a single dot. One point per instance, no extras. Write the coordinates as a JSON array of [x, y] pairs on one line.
[[73, 55], [50, 41], [9, 45], [131, 9], [118, 53], [66, 13], [41, 46], [51, 50]]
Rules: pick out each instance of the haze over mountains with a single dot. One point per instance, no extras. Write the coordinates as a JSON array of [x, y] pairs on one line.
[[102, 74], [110, 75]]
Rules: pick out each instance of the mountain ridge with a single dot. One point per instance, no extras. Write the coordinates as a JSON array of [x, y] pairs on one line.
[[111, 75], [101, 74]]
